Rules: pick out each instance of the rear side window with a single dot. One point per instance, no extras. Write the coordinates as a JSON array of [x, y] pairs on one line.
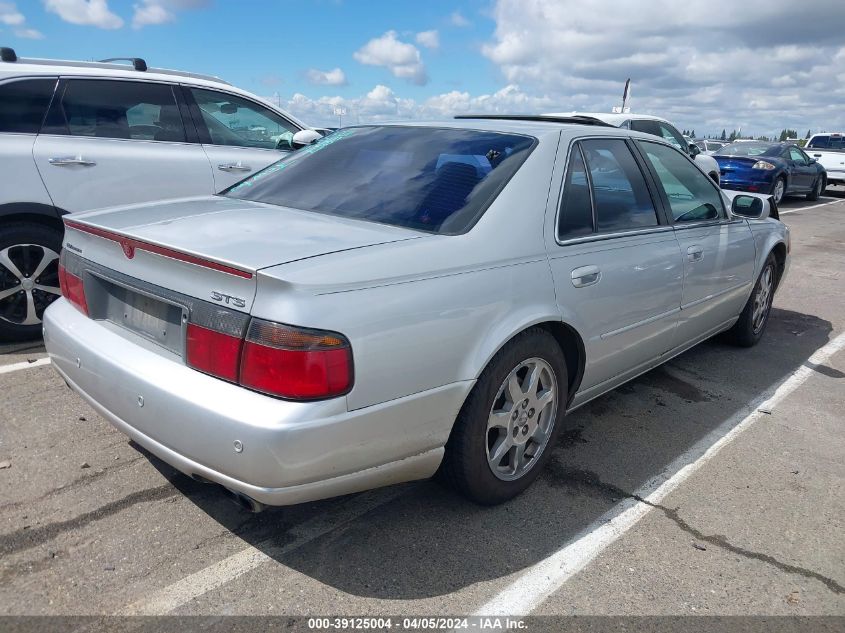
[[24, 103], [621, 196], [692, 196], [438, 180], [576, 208], [120, 109]]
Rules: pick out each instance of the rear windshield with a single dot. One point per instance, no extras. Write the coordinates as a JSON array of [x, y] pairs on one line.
[[430, 179], [826, 141], [749, 149]]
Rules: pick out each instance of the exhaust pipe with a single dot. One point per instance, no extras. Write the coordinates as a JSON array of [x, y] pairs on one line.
[[247, 503]]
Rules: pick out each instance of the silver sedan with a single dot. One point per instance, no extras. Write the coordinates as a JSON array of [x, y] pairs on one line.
[[396, 301]]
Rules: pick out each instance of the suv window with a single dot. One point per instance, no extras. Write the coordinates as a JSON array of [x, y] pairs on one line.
[[24, 103], [232, 120], [662, 130], [825, 140], [121, 109], [621, 196], [576, 209], [692, 195]]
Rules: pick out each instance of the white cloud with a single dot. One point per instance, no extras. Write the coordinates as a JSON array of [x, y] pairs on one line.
[[759, 64], [334, 77], [85, 12], [152, 12], [383, 104], [457, 19], [9, 14], [402, 59], [429, 39], [29, 34]]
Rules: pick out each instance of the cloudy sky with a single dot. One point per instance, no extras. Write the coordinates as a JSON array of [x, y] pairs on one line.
[[761, 65]]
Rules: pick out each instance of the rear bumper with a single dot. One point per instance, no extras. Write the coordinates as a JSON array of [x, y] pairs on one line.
[[752, 186], [291, 452]]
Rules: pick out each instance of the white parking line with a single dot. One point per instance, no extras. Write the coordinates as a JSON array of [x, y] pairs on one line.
[[199, 583], [7, 369], [544, 578], [814, 206]]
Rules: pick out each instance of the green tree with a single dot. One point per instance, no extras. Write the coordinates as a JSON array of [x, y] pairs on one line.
[[808, 134], [724, 136]]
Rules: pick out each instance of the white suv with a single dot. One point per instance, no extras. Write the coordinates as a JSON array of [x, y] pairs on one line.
[[82, 135], [657, 127]]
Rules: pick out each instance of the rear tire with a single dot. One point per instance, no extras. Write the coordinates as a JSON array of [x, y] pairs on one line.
[[779, 189], [818, 188], [506, 429], [748, 331], [29, 278]]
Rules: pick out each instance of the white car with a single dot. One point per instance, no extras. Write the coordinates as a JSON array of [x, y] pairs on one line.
[[76, 136], [657, 127], [829, 150]]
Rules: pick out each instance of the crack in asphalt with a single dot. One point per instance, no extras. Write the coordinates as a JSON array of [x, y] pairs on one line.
[[27, 538], [563, 475]]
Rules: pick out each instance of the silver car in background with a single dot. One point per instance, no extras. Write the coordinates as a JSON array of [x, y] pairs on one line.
[[398, 300]]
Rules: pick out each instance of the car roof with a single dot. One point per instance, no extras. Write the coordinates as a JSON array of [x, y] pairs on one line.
[[32, 67]]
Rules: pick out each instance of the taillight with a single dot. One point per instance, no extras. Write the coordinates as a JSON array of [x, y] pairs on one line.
[[213, 352], [72, 288], [296, 363]]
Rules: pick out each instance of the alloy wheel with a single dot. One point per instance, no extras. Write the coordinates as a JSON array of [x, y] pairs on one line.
[[780, 189], [522, 419], [763, 299], [29, 282]]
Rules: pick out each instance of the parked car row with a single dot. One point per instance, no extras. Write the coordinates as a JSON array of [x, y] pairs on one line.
[[386, 303]]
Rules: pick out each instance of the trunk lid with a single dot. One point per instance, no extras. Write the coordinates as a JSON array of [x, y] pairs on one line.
[[211, 247]]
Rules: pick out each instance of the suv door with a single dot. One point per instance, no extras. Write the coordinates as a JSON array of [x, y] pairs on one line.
[[108, 141], [239, 136], [718, 250], [615, 262]]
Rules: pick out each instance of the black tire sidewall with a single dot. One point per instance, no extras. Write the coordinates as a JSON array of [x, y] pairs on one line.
[[26, 233], [469, 444]]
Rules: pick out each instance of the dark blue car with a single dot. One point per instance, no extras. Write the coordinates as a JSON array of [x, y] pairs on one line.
[[778, 169]]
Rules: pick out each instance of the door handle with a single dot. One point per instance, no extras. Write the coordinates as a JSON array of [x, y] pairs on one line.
[[695, 253], [234, 167], [585, 276], [61, 161]]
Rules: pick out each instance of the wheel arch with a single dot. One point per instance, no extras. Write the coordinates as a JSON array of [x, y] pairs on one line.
[[568, 339], [37, 213], [779, 251]]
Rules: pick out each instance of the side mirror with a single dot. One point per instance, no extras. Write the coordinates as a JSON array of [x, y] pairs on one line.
[[748, 207], [305, 137], [811, 161], [694, 150]]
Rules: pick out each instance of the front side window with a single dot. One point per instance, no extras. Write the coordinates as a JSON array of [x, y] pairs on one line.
[[231, 120], [24, 103], [621, 196], [438, 180], [135, 110], [692, 195], [797, 155]]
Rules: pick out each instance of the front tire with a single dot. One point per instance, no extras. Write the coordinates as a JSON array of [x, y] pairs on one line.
[[748, 330], [505, 431], [29, 278]]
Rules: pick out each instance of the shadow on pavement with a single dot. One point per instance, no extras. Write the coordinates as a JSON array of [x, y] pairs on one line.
[[428, 541]]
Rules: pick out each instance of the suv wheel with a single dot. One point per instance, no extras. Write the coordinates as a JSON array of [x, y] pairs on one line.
[[29, 278]]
